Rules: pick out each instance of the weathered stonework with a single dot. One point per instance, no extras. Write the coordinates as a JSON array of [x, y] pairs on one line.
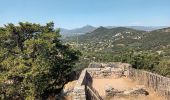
[[79, 93], [108, 70], [111, 92], [157, 82], [97, 70], [116, 70]]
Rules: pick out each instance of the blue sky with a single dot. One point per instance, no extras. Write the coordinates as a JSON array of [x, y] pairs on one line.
[[77, 13]]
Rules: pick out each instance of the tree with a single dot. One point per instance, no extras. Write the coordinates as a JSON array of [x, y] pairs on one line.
[[33, 60]]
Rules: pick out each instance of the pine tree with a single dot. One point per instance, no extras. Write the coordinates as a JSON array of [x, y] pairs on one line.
[[33, 61]]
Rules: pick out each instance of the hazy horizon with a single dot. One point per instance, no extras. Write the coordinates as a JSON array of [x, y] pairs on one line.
[[110, 26]]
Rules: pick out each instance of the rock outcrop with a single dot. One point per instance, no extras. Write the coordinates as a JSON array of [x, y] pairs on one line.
[[111, 92], [68, 88], [137, 91]]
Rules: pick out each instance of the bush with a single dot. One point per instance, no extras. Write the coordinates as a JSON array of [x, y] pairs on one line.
[[163, 68]]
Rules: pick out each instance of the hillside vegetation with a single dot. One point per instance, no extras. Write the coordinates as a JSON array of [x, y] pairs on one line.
[[143, 49]]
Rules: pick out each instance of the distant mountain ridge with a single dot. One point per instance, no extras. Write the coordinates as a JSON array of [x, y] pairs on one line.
[[88, 28], [147, 28], [143, 28], [82, 30]]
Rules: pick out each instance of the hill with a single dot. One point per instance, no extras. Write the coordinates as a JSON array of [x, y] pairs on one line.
[[146, 28], [142, 28], [148, 50], [72, 32], [103, 39], [89, 28]]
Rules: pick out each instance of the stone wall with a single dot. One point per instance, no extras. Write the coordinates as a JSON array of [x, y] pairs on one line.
[[79, 92], [92, 94], [109, 64], [108, 70], [83, 89], [105, 72], [97, 70], [157, 82], [115, 70]]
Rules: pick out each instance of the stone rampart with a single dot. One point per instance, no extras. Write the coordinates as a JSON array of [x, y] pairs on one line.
[[79, 92], [156, 82], [115, 70], [108, 70]]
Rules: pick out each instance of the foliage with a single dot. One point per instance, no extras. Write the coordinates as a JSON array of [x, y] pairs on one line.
[[33, 61], [144, 50], [140, 60], [146, 60], [163, 68]]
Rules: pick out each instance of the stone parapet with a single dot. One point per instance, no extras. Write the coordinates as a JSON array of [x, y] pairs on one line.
[[156, 82], [79, 93], [116, 70]]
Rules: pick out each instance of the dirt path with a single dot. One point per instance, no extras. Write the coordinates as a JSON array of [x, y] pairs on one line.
[[122, 84]]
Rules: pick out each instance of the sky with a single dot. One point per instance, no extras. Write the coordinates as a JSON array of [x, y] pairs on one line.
[[77, 13]]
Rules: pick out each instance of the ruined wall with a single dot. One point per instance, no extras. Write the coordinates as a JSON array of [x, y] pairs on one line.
[[115, 70], [92, 94], [79, 89], [157, 82], [79, 92], [108, 70], [83, 89], [105, 72], [83, 86]]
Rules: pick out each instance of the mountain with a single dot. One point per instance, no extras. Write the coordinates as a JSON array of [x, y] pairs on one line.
[[121, 43], [143, 28], [115, 39], [104, 39], [157, 39], [72, 32], [146, 28], [89, 28], [102, 33]]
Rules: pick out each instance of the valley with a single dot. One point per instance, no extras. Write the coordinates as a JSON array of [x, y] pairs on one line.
[[104, 45]]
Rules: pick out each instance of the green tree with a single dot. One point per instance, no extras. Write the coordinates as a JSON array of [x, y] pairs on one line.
[[33, 61]]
